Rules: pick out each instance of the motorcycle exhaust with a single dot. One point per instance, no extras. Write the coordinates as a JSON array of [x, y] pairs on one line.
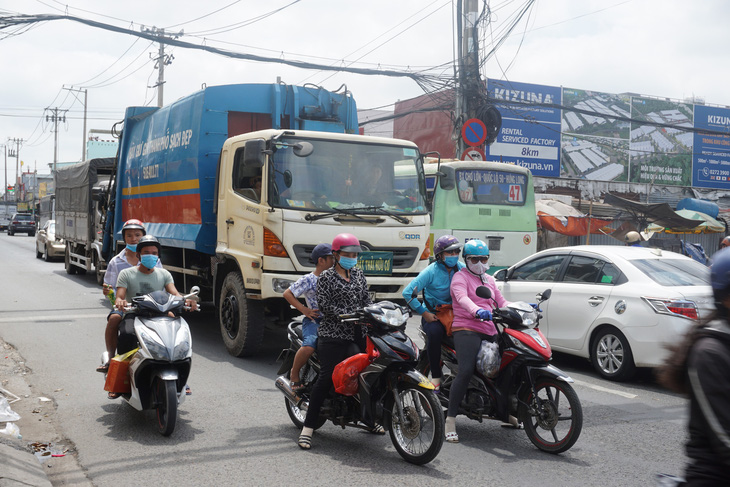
[[283, 384]]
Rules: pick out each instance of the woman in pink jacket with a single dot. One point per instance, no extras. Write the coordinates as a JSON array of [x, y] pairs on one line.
[[472, 322]]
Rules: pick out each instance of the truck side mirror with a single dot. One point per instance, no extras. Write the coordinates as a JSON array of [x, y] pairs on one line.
[[253, 156], [447, 178]]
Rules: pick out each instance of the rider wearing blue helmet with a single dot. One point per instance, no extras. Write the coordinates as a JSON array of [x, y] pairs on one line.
[[697, 367], [472, 322], [434, 283]]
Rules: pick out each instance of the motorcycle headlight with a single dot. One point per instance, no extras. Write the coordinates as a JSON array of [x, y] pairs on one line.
[[392, 317], [154, 345], [182, 345]]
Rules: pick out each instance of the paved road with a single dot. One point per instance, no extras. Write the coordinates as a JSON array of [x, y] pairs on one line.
[[234, 428]]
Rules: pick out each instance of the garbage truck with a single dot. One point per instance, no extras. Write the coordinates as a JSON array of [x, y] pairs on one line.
[[240, 182]]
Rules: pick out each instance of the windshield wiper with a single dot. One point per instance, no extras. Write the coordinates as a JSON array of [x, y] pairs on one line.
[[310, 218], [383, 211]]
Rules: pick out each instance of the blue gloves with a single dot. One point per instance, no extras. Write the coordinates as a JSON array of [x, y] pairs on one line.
[[534, 305], [484, 314]]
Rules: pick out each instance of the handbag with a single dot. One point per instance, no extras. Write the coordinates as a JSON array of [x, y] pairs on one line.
[[445, 314]]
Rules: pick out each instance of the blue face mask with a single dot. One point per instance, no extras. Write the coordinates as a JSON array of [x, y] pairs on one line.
[[451, 261], [149, 260], [348, 262], [131, 247]]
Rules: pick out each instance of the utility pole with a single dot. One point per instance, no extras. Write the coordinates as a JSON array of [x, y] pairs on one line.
[[5, 190], [55, 118], [83, 137], [468, 88], [16, 153], [162, 59]]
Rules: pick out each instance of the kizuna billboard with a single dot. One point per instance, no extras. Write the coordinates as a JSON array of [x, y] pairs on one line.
[[536, 145]]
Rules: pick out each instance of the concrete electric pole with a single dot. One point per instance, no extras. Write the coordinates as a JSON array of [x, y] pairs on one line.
[[16, 153], [55, 118], [468, 64], [83, 135], [162, 60]]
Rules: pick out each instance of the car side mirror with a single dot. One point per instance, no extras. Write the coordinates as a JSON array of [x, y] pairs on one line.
[[500, 275]]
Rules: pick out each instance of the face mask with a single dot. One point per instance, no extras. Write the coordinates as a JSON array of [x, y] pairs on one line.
[[451, 261], [131, 247], [478, 268], [348, 262], [149, 260]]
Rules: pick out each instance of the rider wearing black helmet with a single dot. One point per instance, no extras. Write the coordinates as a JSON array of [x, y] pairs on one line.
[[697, 367]]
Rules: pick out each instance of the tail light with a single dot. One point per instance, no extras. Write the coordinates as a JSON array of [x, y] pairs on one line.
[[674, 307]]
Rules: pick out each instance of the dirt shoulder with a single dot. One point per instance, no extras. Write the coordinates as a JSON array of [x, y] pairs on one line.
[[38, 423]]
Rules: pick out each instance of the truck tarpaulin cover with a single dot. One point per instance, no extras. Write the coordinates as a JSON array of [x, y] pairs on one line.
[[426, 120], [74, 184]]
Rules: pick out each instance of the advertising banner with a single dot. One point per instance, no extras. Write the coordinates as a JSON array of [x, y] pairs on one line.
[[530, 134], [711, 158]]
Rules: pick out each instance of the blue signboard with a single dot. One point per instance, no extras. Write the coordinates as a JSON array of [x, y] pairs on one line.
[[530, 134], [711, 154]]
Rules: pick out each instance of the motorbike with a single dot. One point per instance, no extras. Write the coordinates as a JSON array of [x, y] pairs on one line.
[[527, 387], [389, 390], [161, 355]]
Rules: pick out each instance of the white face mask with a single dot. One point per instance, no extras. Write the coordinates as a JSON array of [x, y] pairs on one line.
[[478, 268]]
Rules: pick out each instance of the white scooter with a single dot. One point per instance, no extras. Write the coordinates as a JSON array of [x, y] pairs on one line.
[[159, 369]]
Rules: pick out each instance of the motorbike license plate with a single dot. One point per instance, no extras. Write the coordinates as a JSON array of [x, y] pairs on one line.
[[376, 263]]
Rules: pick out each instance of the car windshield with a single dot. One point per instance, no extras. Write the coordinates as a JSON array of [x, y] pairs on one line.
[[346, 177], [674, 272], [51, 228], [23, 217]]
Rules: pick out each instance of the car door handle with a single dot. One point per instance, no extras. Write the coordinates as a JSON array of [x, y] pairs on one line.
[[229, 221], [595, 300]]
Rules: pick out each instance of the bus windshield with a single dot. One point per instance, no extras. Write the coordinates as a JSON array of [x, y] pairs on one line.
[[481, 186], [350, 176]]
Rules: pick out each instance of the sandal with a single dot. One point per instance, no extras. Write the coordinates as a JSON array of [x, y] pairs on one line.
[[188, 391], [513, 423], [452, 437], [103, 368], [305, 442], [113, 395], [378, 430], [297, 386]]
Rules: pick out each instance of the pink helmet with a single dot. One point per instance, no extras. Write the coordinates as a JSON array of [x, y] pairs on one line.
[[346, 242]]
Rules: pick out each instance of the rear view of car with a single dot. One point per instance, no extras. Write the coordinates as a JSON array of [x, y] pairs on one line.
[[22, 223], [47, 245]]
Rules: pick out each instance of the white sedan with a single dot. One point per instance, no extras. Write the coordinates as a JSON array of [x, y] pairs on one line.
[[617, 306]]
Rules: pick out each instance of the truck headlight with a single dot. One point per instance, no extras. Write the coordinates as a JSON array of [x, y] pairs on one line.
[[281, 285]]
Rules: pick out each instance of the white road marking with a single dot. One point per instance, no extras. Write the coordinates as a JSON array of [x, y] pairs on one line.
[[606, 389]]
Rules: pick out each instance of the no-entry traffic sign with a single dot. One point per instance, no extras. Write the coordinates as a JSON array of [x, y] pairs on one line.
[[474, 132]]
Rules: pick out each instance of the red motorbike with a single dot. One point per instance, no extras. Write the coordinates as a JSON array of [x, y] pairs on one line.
[[526, 386]]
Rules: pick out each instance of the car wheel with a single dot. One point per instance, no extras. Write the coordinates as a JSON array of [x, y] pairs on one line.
[[611, 355], [45, 254], [37, 252]]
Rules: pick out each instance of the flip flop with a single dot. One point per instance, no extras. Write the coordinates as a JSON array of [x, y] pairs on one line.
[[452, 437], [103, 368], [113, 395], [378, 430], [297, 386]]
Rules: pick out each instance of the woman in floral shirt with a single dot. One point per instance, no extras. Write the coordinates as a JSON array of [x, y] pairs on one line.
[[341, 289]]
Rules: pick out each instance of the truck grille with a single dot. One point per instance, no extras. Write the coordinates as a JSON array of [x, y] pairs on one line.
[[403, 257]]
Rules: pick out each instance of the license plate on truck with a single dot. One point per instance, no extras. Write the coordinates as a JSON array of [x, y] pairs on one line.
[[376, 263]]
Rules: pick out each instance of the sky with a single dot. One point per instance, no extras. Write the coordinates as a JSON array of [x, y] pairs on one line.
[[667, 48]]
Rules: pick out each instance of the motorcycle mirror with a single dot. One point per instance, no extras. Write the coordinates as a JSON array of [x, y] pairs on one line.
[[484, 292], [545, 295], [194, 291]]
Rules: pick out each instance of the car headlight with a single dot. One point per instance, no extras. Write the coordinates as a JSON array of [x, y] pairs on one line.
[[281, 285], [392, 317]]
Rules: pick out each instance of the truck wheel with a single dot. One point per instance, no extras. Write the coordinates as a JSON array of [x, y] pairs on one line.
[[98, 270], [241, 320], [70, 268]]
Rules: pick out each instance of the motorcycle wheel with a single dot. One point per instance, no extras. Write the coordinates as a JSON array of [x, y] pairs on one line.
[[166, 395], [309, 376], [420, 437], [553, 418]]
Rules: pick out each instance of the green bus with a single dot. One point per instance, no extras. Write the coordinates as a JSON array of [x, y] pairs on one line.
[[490, 201]]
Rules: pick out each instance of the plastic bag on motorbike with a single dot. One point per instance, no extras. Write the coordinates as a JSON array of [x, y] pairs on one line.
[[345, 376], [488, 359]]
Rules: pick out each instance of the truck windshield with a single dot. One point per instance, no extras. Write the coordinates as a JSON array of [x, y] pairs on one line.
[[357, 177]]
